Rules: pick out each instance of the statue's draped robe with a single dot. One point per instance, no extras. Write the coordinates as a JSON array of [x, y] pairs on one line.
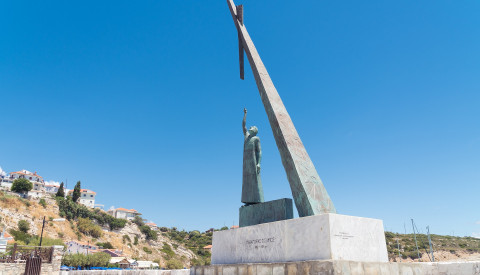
[[252, 191]]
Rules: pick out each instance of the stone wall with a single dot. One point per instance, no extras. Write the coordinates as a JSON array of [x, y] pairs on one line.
[[47, 269], [340, 267], [127, 272]]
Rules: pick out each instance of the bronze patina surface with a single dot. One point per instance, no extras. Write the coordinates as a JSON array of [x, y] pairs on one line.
[[252, 191], [308, 191]]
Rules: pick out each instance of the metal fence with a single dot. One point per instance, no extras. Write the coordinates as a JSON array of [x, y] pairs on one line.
[[20, 254]]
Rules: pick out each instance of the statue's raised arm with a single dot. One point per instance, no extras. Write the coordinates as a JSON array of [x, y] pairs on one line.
[[244, 123]]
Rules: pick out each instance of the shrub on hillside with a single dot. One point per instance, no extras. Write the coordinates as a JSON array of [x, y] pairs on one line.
[[105, 245], [21, 186], [147, 250], [23, 226], [167, 249], [135, 240], [23, 238], [87, 227], [138, 221], [149, 233], [71, 211], [125, 239], [43, 203], [100, 259], [117, 223], [174, 264]]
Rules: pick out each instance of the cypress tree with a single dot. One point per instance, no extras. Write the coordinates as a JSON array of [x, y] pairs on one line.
[[61, 191], [76, 192]]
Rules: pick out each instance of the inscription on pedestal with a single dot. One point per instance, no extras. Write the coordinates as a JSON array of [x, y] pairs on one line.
[[260, 243], [343, 235]]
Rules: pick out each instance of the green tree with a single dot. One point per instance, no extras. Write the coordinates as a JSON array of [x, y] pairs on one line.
[[21, 185], [117, 223], [105, 245], [174, 264], [76, 191], [100, 259], [61, 191], [138, 221], [23, 226], [149, 233]]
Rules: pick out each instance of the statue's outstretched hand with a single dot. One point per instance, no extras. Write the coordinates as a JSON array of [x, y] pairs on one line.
[[258, 168], [244, 110]]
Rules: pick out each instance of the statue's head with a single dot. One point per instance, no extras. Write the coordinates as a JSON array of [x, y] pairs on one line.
[[253, 130]]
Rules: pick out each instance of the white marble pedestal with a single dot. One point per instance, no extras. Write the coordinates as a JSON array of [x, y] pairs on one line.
[[320, 237]]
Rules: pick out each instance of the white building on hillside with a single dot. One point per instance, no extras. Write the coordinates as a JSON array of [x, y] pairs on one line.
[[38, 185], [75, 247], [6, 182], [122, 213], [152, 225], [87, 197], [51, 188], [36, 180]]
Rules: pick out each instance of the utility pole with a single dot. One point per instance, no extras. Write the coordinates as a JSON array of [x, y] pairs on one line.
[[430, 243], [41, 235], [415, 236]]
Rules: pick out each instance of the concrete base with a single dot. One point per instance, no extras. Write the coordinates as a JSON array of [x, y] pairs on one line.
[[265, 212], [320, 237], [340, 267]]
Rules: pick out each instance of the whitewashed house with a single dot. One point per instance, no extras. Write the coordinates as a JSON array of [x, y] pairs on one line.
[[152, 225], [74, 247], [87, 197], [38, 185], [5, 180], [122, 213], [51, 188], [36, 180]]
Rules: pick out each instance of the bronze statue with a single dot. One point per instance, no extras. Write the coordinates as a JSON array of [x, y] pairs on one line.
[[252, 191]]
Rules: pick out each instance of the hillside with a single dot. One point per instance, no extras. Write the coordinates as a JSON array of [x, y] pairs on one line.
[[170, 249], [446, 248], [173, 248]]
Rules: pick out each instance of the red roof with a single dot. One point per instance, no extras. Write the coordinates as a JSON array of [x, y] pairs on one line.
[[208, 246], [127, 210], [31, 174]]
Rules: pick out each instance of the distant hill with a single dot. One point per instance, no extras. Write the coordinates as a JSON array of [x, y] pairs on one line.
[[446, 248]]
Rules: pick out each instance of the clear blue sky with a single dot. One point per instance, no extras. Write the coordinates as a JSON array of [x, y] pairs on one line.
[[141, 101]]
